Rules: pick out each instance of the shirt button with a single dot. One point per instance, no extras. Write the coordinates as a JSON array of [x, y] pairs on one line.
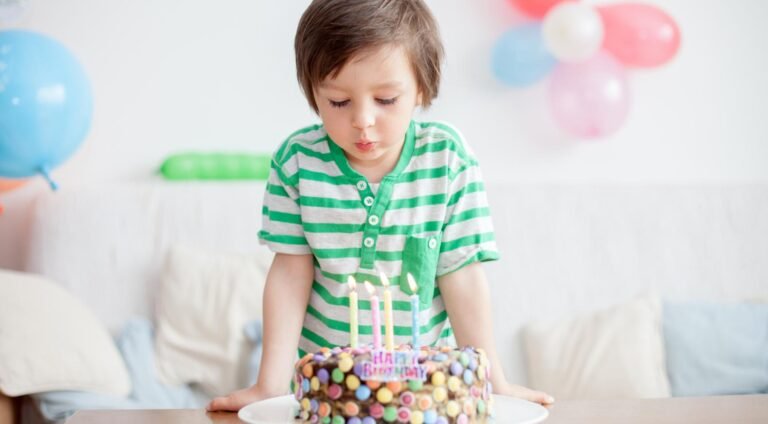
[[362, 185], [373, 220], [432, 243], [368, 201], [368, 242]]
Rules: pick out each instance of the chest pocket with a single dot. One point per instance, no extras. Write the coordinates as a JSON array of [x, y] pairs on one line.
[[420, 255]]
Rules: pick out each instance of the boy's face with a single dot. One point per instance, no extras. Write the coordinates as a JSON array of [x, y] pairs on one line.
[[367, 107]]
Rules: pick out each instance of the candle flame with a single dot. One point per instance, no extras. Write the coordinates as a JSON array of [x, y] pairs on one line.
[[384, 280], [351, 283], [412, 283], [369, 287]]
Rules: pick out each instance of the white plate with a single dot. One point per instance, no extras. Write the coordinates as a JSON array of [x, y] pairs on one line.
[[282, 410]]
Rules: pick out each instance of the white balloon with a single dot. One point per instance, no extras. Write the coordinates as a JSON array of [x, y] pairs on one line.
[[573, 32]]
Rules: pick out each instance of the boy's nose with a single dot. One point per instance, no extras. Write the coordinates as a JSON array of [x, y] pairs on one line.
[[363, 117]]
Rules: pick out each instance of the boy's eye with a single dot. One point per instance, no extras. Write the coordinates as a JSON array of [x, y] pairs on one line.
[[339, 104], [387, 101]]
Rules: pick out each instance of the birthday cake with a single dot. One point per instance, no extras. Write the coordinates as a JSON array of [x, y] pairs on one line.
[[367, 386]]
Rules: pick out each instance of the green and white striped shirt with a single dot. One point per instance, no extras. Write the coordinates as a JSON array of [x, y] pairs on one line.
[[429, 217]]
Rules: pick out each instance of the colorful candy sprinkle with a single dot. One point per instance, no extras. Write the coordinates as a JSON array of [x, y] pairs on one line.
[[335, 391], [394, 386], [425, 402], [464, 359], [346, 364], [454, 384], [430, 417], [469, 408], [469, 377], [352, 382], [390, 414], [351, 409], [324, 409], [481, 372], [314, 384], [363, 393], [403, 415], [417, 417], [376, 410], [456, 368], [337, 375], [322, 374], [452, 409], [439, 394], [407, 398], [438, 378], [307, 371], [384, 395], [415, 385]]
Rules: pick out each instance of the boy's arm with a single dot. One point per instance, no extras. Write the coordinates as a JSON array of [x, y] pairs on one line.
[[286, 295], [468, 303]]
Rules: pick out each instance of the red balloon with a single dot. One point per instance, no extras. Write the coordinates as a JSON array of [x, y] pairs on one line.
[[535, 8], [7, 184], [639, 35]]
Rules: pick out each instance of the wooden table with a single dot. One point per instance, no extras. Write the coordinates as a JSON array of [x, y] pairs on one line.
[[700, 410]]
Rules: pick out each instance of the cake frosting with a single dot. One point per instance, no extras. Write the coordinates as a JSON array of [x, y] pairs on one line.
[[366, 386]]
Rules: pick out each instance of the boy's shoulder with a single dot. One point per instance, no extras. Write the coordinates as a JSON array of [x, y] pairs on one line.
[[307, 139], [445, 137]]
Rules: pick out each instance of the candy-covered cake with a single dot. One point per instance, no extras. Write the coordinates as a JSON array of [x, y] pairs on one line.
[[366, 386]]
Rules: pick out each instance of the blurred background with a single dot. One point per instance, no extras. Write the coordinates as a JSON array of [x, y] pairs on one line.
[[171, 76], [668, 203]]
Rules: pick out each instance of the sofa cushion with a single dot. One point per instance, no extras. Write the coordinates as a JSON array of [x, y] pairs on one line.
[[51, 341], [609, 354], [205, 301], [136, 345], [716, 349]]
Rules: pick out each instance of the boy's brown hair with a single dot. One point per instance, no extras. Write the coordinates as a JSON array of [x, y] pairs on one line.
[[331, 32]]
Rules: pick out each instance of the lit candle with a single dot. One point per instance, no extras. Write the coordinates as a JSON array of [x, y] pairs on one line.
[[352, 312], [375, 316], [389, 330], [414, 311]]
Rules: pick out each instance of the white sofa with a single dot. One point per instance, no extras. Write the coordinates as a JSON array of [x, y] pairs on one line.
[[566, 249]]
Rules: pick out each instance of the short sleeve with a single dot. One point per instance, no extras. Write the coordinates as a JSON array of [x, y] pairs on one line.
[[282, 229], [468, 231]]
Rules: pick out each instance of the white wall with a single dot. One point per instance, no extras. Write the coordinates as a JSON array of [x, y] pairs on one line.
[[170, 76]]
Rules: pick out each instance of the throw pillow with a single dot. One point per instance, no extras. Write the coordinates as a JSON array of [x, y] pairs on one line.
[[136, 346], [609, 354], [716, 349], [205, 300], [49, 340]]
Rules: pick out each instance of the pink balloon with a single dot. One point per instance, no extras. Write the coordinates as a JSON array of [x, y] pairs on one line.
[[640, 35], [590, 99], [535, 8]]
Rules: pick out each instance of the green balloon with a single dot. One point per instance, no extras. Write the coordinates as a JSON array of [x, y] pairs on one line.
[[216, 166]]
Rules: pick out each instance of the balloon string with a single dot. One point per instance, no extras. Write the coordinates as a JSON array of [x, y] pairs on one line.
[[44, 172]]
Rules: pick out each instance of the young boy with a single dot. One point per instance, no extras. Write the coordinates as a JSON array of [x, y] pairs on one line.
[[370, 191]]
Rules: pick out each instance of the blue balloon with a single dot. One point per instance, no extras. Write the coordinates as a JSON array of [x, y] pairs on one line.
[[45, 104], [520, 56]]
